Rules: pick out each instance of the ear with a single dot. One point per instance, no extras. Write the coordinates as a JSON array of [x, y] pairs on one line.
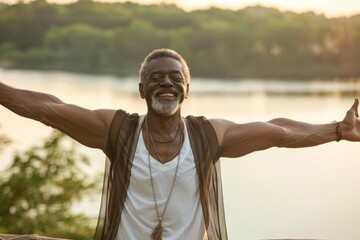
[[141, 90], [187, 91]]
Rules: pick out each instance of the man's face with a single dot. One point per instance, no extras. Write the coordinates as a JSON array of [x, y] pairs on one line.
[[165, 87]]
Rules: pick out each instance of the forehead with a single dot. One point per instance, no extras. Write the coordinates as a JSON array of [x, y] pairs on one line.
[[164, 64]]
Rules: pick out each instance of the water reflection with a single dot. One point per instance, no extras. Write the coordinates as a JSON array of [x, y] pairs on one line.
[[316, 87], [279, 193], [349, 87]]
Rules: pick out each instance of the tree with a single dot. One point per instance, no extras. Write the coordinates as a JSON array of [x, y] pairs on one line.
[[4, 140], [77, 46], [97, 37], [39, 188]]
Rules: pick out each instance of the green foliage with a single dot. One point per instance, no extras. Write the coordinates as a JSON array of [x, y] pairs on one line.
[[4, 141], [39, 188], [96, 37], [77, 47]]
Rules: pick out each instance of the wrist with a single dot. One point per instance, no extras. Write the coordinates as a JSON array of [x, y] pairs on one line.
[[338, 130]]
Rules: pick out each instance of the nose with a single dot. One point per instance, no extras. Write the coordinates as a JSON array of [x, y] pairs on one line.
[[166, 82]]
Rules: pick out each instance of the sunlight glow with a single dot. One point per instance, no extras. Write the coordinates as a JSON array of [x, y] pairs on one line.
[[330, 8]]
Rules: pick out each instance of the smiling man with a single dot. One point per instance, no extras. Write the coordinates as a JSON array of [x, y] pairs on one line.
[[162, 175]]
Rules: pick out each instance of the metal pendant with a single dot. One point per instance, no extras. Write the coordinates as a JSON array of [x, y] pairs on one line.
[[158, 232]]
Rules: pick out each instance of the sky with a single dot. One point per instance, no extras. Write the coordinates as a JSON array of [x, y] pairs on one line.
[[330, 8]]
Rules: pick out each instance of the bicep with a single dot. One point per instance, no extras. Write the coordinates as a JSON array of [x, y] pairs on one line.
[[236, 140], [88, 127]]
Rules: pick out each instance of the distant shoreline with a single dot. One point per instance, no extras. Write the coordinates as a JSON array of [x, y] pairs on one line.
[[280, 76]]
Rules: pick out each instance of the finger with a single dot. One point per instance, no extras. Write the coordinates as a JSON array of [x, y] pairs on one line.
[[355, 107]]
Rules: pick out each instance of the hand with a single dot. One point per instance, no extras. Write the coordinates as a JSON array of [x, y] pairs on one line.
[[351, 124]]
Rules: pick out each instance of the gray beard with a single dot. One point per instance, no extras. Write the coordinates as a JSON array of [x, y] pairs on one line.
[[165, 109]]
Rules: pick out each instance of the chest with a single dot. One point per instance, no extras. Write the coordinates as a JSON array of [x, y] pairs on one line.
[[163, 174]]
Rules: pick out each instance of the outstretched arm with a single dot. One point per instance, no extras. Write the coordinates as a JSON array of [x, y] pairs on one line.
[[88, 127], [236, 140]]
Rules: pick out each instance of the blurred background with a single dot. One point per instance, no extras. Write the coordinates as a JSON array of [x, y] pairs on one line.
[[249, 60]]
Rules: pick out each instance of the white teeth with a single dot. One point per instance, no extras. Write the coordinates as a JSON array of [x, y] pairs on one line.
[[166, 95]]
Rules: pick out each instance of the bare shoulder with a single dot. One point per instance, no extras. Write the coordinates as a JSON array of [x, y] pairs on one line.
[[221, 127], [106, 115]]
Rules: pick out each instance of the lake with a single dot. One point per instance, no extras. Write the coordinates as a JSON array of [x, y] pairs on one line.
[[277, 193]]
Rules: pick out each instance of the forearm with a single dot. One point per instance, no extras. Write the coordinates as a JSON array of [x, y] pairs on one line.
[[300, 134], [25, 103]]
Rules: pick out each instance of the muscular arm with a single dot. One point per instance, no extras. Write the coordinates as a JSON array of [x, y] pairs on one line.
[[236, 140], [88, 127]]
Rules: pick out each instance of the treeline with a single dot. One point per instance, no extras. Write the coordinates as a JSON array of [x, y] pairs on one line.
[[113, 38]]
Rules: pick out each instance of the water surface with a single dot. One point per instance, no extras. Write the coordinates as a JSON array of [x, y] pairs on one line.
[[277, 193]]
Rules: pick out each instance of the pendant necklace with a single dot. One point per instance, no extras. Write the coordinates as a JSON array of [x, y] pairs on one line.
[[159, 229]]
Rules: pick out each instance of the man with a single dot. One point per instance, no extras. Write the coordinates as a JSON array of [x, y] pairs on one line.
[[162, 179]]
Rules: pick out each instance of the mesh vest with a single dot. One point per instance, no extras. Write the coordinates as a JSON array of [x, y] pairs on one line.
[[121, 144]]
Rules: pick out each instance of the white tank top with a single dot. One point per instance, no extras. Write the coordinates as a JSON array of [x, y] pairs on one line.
[[183, 219]]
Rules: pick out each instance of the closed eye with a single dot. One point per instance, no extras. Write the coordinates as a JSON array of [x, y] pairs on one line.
[[156, 77], [177, 78]]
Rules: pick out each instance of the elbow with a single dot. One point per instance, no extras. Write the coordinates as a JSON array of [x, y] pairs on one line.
[[41, 115], [282, 139], [48, 116], [280, 135], [279, 121]]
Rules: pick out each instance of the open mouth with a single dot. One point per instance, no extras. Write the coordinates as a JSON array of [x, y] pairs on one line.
[[166, 95]]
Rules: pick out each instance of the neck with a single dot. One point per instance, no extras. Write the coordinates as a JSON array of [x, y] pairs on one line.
[[160, 125], [165, 135]]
